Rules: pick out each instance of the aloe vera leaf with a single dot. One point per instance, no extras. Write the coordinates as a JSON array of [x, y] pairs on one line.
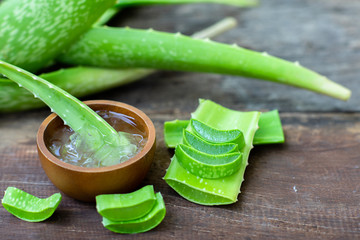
[[54, 26], [77, 81], [28, 207], [199, 144], [215, 191], [143, 224], [127, 206], [217, 136], [125, 47], [205, 165], [239, 3], [270, 130], [81, 81], [104, 140]]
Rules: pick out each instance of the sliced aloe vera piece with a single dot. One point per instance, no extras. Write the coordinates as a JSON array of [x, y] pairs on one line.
[[205, 165], [217, 136], [28, 207], [206, 147], [173, 132], [270, 130], [143, 224], [222, 190], [128, 206]]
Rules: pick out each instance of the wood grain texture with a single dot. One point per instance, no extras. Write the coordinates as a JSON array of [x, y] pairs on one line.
[[307, 188]]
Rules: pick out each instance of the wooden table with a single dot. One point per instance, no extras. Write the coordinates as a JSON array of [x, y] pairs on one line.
[[307, 188]]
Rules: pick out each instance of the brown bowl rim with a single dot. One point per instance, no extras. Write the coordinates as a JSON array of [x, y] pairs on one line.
[[50, 157]]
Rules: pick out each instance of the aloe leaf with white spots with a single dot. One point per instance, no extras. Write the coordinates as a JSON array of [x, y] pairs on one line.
[[222, 190], [125, 47], [28, 207], [96, 134], [34, 32], [81, 81], [77, 81]]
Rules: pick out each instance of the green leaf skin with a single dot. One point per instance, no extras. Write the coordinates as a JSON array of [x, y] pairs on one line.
[[28, 207], [34, 32], [239, 3], [128, 206], [144, 224], [125, 47], [222, 190], [199, 144], [81, 81], [205, 165], [77, 81], [217, 136], [270, 130], [99, 136]]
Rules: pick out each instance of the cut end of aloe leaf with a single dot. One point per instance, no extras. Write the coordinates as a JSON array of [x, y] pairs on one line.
[[128, 206], [143, 224], [28, 207]]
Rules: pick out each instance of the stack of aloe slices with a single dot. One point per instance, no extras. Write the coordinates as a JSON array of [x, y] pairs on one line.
[[207, 154], [135, 212], [223, 189]]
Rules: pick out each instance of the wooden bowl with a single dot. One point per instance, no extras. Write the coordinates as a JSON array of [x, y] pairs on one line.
[[84, 183]]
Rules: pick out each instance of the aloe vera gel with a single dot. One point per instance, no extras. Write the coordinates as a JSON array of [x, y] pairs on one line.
[[67, 145]]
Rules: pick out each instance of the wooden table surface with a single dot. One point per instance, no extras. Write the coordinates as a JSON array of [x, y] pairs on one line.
[[307, 188]]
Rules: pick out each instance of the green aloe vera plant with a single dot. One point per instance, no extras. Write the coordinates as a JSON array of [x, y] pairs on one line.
[[33, 32], [41, 45], [95, 134], [223, 190], [125, 47]]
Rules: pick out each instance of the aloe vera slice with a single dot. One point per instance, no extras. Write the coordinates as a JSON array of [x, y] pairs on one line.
[[129, 206], [173, 132], [270, 130], [143, 224], [206, 147], [205, 165], [222, 190], [28, 207], [217, 136]]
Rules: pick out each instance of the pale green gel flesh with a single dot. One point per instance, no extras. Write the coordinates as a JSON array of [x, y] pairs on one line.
[[222, 190], [203, 191], [143, 224], [206, 147], [205, 165], [215, 135], [129, 206], [28, 207]]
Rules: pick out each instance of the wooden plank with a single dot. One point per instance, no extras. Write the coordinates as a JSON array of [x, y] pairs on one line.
[[306, 188]]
